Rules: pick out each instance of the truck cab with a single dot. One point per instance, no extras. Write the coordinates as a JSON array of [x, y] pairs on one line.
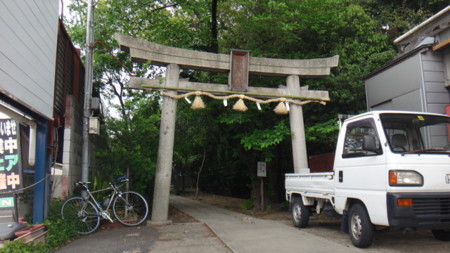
[[391, 169]]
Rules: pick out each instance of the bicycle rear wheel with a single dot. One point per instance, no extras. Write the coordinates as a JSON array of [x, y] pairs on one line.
[[130, 208], [83, 213]]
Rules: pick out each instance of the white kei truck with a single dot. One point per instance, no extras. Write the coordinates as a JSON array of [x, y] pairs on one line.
[[391, 169]]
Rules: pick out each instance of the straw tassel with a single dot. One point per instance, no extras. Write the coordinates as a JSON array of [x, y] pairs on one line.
[[198, 103], [240, 105], [281, 109]]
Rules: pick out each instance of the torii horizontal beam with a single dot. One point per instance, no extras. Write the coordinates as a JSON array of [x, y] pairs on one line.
[[185, 85], [141, 51]]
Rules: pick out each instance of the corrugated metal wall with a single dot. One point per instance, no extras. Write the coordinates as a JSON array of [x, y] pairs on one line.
[[27, 50], [69, 81], [69, 73], [436, 95]]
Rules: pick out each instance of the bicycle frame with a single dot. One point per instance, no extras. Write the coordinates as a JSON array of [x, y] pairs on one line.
[[103, 211]]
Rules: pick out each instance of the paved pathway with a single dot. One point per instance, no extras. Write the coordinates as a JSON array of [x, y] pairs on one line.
[[116, 239], [218, 231], [245, 234]]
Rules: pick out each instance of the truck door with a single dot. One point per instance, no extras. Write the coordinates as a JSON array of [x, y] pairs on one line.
[[360, 166]]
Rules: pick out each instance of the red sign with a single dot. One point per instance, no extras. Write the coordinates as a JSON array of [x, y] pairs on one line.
[[447, 111]]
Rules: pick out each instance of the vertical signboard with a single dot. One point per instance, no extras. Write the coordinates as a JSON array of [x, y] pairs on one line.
[[10, 170], [262, 171], [239, 70]]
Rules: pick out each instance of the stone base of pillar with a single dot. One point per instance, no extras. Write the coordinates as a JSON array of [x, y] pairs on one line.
[[151, 223]]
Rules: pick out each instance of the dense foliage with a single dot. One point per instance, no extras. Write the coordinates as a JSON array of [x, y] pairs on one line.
[[225, 144], [59, 232]]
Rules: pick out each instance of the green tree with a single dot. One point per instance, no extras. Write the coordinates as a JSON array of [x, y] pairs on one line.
[[314, 29], [396, 17], [226, 143]]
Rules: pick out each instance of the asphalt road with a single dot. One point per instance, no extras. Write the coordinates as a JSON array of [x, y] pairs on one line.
[[114, 239]]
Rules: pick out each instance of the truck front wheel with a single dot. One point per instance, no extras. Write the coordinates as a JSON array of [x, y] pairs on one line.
[[299, 212], [441, 235], [360, 227]]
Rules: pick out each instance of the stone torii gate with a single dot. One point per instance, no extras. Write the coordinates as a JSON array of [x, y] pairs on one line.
[[239, 64]]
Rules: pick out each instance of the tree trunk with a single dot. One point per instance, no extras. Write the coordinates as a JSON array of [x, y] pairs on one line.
[[214, 44], [198, 175]]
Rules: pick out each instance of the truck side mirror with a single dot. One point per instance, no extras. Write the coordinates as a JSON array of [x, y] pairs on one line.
[[370, 144]]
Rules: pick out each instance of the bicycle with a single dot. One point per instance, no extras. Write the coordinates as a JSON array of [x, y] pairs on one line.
[[129, 208]]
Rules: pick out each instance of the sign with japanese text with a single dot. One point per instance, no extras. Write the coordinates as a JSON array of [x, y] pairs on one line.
[[10, 171]]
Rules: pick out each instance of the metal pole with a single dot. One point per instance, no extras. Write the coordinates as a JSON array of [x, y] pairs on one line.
[[40, 171], [262, 193], [87, 90]]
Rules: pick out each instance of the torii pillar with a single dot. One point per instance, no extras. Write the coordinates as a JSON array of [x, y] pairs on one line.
[[299, 152], [165, 150], [176, 58]]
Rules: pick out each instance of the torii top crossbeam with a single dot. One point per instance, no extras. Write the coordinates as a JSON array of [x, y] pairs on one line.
[[142, 51]]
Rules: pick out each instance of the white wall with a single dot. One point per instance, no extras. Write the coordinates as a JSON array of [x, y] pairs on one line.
[[28, 36]]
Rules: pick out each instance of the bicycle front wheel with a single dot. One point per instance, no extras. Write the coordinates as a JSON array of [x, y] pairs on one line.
[[130, 208], [83, 213]]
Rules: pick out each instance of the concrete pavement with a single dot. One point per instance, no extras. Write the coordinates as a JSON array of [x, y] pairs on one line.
[[217, 231], [182, 237], [114, 239], [245, 234]]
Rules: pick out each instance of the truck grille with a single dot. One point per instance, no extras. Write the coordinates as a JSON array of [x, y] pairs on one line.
[[432, 209]]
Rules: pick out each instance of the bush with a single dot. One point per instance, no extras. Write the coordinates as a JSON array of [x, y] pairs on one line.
[[21, 247], [59, 232], [247, 205]]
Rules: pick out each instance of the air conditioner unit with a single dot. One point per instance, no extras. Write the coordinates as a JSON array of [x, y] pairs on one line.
[[94, 125]]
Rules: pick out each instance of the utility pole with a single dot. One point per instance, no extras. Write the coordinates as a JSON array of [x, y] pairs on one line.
[[87, 90]]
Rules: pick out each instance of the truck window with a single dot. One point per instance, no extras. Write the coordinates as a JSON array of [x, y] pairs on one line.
[[416, 133], [357, 133], [399, 139]]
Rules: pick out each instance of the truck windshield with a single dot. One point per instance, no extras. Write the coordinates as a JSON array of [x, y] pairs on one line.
[[417, 133]]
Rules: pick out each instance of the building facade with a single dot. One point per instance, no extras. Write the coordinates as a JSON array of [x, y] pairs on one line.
[[419, 78], [41, 87]]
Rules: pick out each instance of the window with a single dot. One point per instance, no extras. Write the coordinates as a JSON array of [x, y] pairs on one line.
[[361, 139], [399, 140], [417, 133]]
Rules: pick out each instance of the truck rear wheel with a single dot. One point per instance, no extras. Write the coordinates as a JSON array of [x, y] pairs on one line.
[[299, 212], [441, 235], [360, 227]]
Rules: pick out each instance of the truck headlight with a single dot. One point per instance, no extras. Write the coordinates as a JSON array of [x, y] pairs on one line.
[[405, 178]]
